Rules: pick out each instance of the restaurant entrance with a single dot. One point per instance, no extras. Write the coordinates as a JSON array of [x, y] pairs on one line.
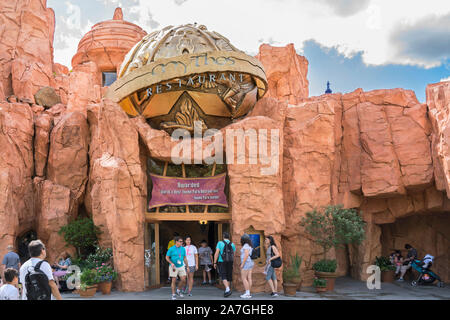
[[158, 235]]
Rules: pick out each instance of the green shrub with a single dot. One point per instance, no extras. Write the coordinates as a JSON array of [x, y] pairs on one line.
[[384, 263], [295, 264], [94, 260], [82, 234], [288, 275], [325, 265], [101, 256], [334, 227], [321, 283], [293, 269], [89, 277], [106, 273]]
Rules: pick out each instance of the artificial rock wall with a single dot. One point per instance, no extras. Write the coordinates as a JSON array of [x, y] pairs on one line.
[[381, 151]]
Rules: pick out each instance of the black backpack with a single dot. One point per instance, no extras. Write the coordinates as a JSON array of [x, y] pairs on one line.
[[255, 254], [36, 283], [228, 253]]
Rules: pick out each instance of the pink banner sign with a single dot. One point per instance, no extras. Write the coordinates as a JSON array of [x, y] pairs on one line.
[[172, 191]]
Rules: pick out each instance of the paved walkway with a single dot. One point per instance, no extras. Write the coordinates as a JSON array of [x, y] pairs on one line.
[[345, 289]]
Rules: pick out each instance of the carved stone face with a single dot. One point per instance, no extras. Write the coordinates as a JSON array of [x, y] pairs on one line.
[[185, 40]]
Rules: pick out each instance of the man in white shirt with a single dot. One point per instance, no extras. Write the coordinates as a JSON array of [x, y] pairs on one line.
[[9, 290], [38, 253]]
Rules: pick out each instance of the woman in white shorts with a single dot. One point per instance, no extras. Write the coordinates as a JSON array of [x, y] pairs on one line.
[[192, 258], [246, 265]]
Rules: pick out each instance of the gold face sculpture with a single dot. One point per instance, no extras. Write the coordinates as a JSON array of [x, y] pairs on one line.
[[183, 75]]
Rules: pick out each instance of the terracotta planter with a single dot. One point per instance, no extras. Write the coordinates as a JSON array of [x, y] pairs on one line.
[[387, 276], [105, 287], [290, 289], [89, 292], [329, 276], [321, 289], [298, 282]]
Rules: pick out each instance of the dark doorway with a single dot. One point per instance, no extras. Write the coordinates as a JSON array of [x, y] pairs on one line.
[[22, 243], [197, 231]]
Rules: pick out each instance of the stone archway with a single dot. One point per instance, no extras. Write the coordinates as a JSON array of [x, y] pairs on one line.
[[429, 233]]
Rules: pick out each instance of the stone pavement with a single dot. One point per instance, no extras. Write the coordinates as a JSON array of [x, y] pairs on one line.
[[346, 288]]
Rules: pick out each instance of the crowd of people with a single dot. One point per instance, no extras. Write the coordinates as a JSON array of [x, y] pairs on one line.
[[185, 259], [36, 269]]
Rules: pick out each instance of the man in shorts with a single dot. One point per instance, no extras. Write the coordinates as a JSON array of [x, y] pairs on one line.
[[412, 255], [225, 268], [176, 257]]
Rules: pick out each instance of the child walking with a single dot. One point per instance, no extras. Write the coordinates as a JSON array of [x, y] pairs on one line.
[[205, 253]]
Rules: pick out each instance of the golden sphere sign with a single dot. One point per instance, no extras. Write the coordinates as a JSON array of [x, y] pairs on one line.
[[184, 74]]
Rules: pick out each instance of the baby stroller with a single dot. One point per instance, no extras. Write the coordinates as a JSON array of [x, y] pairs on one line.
[[426, 276]]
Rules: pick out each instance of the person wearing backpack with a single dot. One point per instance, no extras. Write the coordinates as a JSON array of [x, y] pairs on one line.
[[271, 255], [246, 265], [36, 275], [223, 261]]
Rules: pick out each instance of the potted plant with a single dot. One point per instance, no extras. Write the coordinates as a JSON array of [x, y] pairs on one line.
[[289, 287], [106, 275], [291, 275], [387, 269], [320, 285], [295, 263], [89, 280], [326, 269], [332, 227]]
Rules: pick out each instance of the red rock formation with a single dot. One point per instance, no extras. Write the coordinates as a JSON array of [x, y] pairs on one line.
[[116, 191], [43, 125], [26, 52], [286, 73], [52, 209], [59, 69], [312, 131], [438, 101], [67, 164], [378, 128], [16, 171], [256, 196]]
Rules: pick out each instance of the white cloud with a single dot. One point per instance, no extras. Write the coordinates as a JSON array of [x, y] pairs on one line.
[[351, 26], [68, 33], [445, 79]]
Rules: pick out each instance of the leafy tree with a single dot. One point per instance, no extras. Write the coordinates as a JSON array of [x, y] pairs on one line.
[[334, 227], [82, 234]]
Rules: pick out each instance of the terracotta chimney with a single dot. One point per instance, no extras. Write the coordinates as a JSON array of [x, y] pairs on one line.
[[118, 14]]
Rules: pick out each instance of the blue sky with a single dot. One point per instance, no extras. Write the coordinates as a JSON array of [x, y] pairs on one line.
[[369, 44], [346, 74]]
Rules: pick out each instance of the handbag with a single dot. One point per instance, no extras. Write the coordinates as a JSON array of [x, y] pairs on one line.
[[275, 263]]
